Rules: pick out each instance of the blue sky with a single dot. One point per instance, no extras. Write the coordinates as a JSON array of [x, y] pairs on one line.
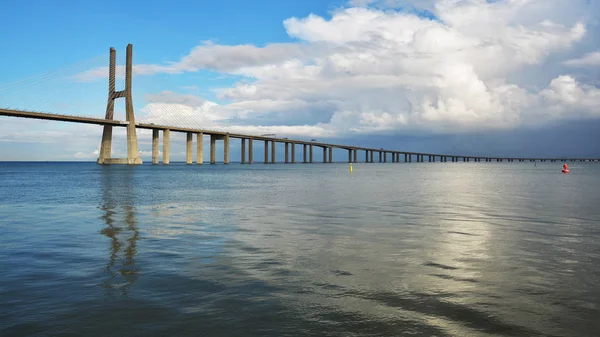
[[423, 75]]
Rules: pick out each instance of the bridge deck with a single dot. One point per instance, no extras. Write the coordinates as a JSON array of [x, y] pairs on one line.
[[101, 121]]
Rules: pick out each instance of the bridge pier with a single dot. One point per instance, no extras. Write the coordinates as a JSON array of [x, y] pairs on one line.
[[355, 155], [310, 148], [250, 155], [304, 149], [133, 154], [287, 157], [166, 146], [324, 154], [243, 151], [213, 149], [226, 149], [273, 144], [188, 148], [266, 151], [155, 141], [199, 150], [293, 152]]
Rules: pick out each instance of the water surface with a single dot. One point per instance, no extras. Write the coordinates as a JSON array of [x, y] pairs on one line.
[[421, 249]]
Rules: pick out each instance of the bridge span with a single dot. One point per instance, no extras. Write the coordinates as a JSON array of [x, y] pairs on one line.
[[290, 145], [247, 156]]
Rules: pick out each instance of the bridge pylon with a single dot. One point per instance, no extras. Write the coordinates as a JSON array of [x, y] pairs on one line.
[[133, 156]]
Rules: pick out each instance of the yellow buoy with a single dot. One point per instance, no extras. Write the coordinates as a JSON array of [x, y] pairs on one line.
[[350, 167]]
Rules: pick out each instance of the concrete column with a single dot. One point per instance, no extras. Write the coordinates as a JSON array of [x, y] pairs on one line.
[[304, 146], [166, 146], [226, 149], [405, 158], [366, 156], [266, 151], [287, 157], [199, 145], [349, 155], [213, 149], [243, 159], [293, 145], [188, 148], [250, 151], [355, 155], [106, 144], [371, 154], [273, 144], [331, 155], [154, 146], [310, 148], [384, 157], [133, 154], [324, 154]]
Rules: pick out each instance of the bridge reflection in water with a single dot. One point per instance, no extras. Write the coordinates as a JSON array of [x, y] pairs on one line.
[[117, 205]]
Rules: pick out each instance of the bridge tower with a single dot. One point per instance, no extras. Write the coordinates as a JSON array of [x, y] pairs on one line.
[[133, 156]]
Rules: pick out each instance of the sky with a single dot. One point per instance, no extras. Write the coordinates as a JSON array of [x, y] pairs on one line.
[[467, 77]]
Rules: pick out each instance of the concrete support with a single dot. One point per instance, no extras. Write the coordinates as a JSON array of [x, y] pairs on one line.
[[213, 149], [366, 156], [384, 157], [304, 146], [199, 148], [371, 154], [250, 159], [189, 141], [266, 151], [273, 144], [349, 155], [155, 146], [133, 155], [226, 149], [355, 155], [380, 158], [331, 155], [106, 144], [324, 154], [287, 156], [310, 148], [293, 145], [243, 153], [166, 146]]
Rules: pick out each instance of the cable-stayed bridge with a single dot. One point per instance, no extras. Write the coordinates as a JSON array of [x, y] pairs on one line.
[[179, 122]]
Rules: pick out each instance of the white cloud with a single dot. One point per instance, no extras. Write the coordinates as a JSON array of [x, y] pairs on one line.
[[588, 60], [376, 70]]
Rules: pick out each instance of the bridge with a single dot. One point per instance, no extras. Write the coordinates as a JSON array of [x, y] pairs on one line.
[[247, 156]]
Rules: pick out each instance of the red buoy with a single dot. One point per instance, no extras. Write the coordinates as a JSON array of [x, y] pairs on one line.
[[565, 168]]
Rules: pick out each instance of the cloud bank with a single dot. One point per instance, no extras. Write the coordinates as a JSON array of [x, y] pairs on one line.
[[389, 66]]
